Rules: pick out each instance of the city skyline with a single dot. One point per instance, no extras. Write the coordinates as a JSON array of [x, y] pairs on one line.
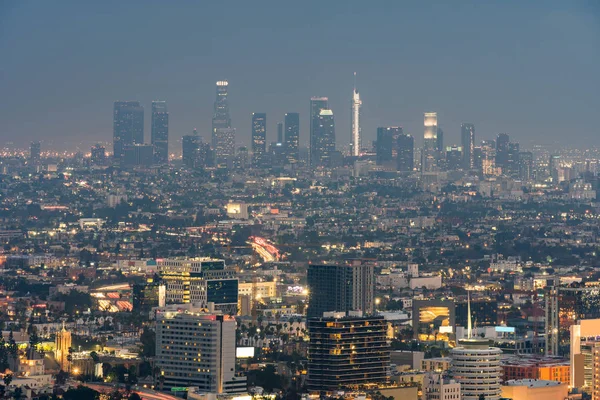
[[462, 87]]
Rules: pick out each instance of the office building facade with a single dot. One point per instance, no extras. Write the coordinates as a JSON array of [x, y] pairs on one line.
[[128, 126], [405, 159], [386, 145], [197, 349], [346, 352], [324, 145], [340, 288], [200, 281], [160, 131], [292, 138], [316, 105], [259, 139], [430, 153]]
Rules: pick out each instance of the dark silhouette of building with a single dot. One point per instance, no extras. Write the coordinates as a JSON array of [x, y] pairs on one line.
[[138, 155], [98, 156], [454, 158], [340, 288], [35, 152], [385, 146], [128, 126], [160, 131], [502, 142], [405, 159], [483, 313], [526, 165]]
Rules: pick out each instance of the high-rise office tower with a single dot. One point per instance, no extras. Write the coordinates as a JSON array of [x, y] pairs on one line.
[[478, 159], [387, 138], [340, 288], [346, 351], [502, 142], [259, 139], [526, 165], [430, 153], [316, 105], [160, 131], [488, 161], [279, 132], [356, 104], [440, 142], [454, 157], [467, 140], [197, 348], [221, 118], [241, 158], [405, 158], [190, 147], [292, 138], [128, 126], [224, 146], [98, 154], [324, 145], [512, 166], [35, 152]]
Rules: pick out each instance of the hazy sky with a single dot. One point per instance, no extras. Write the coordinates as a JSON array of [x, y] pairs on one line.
[[530, 69]]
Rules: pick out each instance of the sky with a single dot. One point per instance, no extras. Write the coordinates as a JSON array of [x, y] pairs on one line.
[[529, 69]]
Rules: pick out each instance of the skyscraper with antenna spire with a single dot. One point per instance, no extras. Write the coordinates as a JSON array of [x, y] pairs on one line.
[[356, 104]]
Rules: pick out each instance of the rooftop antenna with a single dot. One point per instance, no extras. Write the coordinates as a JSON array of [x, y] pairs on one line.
[[355, 82]]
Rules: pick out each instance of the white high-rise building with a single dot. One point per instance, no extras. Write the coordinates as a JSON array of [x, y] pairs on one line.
[[197, 348], [356, 104]]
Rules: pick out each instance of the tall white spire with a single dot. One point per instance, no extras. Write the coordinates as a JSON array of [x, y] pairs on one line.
[[356, 104], [469, 325]]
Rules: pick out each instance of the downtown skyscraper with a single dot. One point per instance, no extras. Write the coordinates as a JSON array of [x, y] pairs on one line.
[[259, 139], [356, 104], [467, 140], [223, 136], [292, 138], [430, 153], [387, 138], [316, 105], [324, 140], [160, 131], [405, 158], [128, 126]]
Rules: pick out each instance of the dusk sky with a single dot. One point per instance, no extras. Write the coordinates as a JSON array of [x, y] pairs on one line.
[[529, 69]]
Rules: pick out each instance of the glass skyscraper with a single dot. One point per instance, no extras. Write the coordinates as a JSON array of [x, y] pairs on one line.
[[223, 137], [292, 137], [128, 126], [405, 159], [316, 105], [430, 152], [160, 131], [324, 140]]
